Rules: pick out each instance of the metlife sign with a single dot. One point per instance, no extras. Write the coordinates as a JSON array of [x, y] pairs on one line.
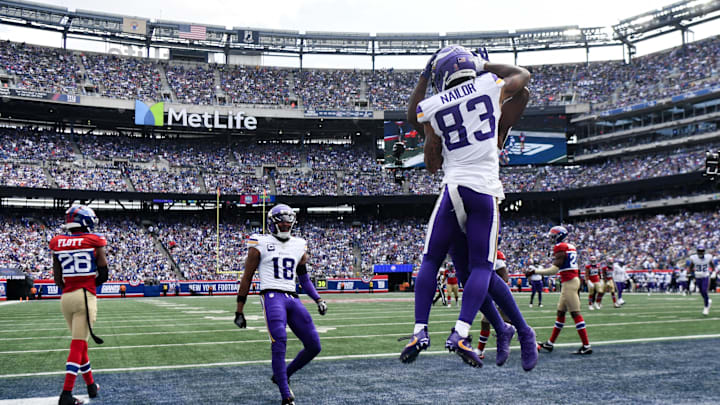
[[154, 114]]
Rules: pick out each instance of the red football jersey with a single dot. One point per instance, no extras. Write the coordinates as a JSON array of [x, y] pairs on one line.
[[607, 273], [569, 268], [593, 271], [451, 276], [76, 254]]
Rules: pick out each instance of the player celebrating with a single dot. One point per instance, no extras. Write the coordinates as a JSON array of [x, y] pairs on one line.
[[79, 266], [460, 124], [700, 265], [279, 258], [595, 287], [452, 284], [565, 262]]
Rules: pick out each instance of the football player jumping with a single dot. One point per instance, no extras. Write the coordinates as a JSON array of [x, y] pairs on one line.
[[280, 258], [565, 262], [702, 264], [462, 126], [79, 265]]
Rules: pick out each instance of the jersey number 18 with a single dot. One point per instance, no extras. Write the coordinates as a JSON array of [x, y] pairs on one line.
[[288, 267]]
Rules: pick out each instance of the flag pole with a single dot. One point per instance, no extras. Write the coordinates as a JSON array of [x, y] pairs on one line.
[[217, 232]]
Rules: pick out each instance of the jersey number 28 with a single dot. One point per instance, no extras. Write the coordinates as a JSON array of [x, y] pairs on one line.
[[76, 262]]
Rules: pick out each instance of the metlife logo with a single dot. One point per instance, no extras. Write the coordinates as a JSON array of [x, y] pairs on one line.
[[153, 114]]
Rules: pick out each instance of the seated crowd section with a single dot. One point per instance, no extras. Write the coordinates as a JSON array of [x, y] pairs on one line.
[[45, 159], [603, 84], [337, 248]]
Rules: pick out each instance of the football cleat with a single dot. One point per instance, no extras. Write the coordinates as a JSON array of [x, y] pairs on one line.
[[288, 401], [546, 345], [66, 398], [93, 389], [591, 307], [418, 342], [528, 349], [531, 305], [463, 348], [583, 350], [616, 305], [706, 311], [540, 305], [480, 353], [503, 344], [598, 306]]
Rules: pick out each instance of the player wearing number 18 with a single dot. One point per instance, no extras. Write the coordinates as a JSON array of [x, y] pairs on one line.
[[79, 265], [278, 258]]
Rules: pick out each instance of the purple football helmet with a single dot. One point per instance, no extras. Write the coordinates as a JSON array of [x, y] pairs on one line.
[[80, 216], [280, 213], [453, 62]]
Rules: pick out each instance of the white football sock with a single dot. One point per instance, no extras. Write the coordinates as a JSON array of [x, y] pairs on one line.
[[419, 327], [462, 328]]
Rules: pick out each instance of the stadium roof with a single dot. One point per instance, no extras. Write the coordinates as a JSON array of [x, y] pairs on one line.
[[174, 34]]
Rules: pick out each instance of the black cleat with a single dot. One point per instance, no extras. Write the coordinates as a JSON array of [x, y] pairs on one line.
[[545, 345], [288, 401], [583, 350], [66, 398], [93, 389]]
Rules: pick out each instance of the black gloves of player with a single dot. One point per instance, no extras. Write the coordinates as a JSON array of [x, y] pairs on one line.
[[240, 320], [322, 307]]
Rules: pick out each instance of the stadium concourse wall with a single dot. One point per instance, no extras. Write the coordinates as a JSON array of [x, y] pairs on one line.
[[111, 289]]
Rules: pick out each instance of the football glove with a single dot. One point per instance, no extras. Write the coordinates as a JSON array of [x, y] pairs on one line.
[[322, 307], [428, 67], [240, 320]]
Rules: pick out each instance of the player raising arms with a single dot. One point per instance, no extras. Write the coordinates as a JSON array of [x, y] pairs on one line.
[[565, 262], [279, 258], [701, 264], [460, 124], [79, 265]]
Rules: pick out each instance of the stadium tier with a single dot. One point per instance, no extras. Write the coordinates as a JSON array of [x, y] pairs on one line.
[[604, 85]]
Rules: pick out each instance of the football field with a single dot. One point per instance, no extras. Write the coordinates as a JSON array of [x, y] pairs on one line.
[[655, 349]]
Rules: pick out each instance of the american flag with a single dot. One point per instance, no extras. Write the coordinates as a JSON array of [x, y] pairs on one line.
[[192, 31]]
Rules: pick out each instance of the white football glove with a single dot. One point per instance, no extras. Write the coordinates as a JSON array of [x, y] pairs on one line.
[[322, 307]]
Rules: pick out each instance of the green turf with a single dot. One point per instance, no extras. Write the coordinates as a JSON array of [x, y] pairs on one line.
[[356, 324]]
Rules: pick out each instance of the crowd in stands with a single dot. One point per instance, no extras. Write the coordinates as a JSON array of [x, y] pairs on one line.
[[192, 85], [296, 182], [604, 84], [165, 181], [658, 241], [38, 68], [131, 251], [236, 181], [35, 145], [91, 178], [255, 85], [117, 147], [19, 175], [123, 77]]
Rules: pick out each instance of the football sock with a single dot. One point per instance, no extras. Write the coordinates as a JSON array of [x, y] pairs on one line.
[[462, 328], [425, 287], [500, 293], [278, 367], [580, 326], [476, 290], [614, 298], [559, 323], [73, 363], [492, 315], [482, 339], [591, 299], [599, 298], [85, 367], [311, 348], [419, 327]]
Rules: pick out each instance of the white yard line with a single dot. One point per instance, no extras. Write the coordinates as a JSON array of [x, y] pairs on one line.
[[349, 356], [263, 330], [40, 400]]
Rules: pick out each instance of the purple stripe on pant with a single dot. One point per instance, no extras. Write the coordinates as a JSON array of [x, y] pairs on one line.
[[280, 310], [537, 287]]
